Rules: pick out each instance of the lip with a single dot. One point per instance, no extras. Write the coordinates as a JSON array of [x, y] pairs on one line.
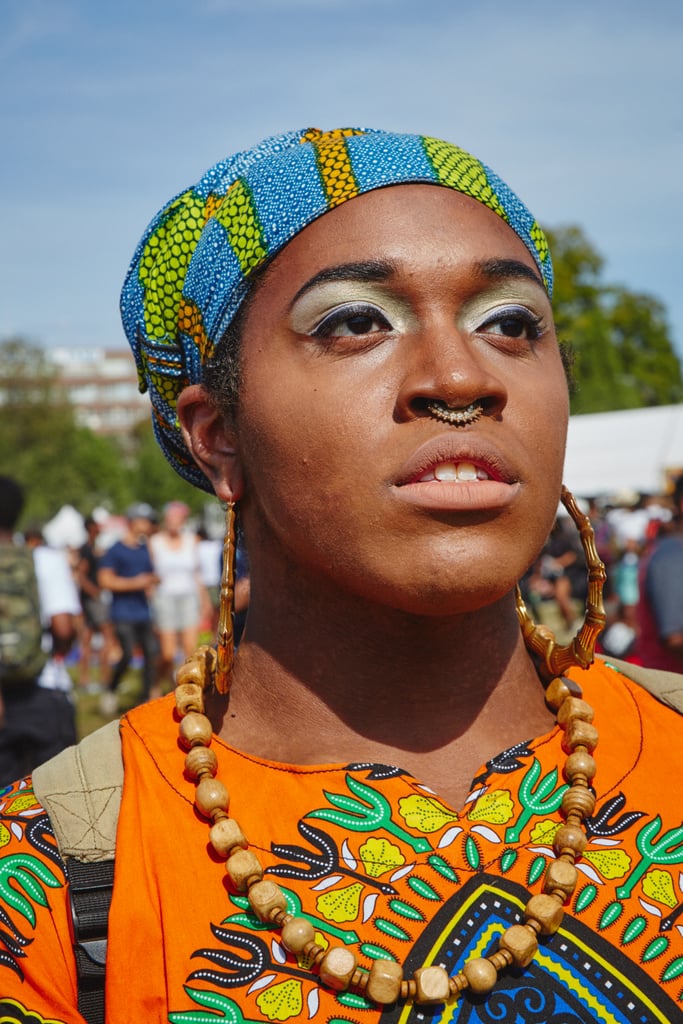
[[460, 496]]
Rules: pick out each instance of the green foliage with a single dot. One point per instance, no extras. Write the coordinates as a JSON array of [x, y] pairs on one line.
[[44, 448], [624, 355]]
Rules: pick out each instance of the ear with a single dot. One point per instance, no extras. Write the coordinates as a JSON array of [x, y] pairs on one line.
[[211, 442]]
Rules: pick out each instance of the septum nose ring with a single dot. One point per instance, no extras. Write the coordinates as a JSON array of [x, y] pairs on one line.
[[461, 417]]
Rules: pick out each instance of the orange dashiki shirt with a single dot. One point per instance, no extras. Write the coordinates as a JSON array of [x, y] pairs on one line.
[[376, 861]]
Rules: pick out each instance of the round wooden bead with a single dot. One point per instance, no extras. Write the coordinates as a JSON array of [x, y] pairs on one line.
[[265, 897], [211, 795], [296, 934], [431, 985], [569, 839], [384, 982], [244, 869], [559, 689], [337, 968], [481, 975], [200, 761], [225, 835], [521, 942], [195, 729], [546, 911], [580, 764], [579, 734], [574, 707], [191, 672], [580, 800], [189, 697], [560, 876]]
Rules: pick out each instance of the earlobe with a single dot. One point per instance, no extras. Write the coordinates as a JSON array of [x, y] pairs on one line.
[[211, 442]]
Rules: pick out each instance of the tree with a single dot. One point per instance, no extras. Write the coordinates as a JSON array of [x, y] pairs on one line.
[[42, 445], [624, 355]]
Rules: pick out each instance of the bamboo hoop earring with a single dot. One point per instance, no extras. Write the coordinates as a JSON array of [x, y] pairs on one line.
[[225, 649], [555, 659]]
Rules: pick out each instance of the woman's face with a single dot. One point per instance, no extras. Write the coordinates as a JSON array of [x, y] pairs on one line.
[[402, 296]]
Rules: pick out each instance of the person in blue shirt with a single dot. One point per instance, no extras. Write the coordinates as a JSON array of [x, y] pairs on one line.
[[126, 570]]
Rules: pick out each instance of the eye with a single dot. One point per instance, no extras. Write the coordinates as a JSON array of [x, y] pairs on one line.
[[351, 320], [516, 322]]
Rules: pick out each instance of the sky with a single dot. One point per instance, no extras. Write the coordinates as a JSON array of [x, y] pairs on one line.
[[108, 109]]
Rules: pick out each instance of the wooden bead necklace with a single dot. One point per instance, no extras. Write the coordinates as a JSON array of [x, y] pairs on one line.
[[337, 967]]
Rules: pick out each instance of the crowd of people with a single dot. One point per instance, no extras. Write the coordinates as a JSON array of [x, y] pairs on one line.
[[130, 603], [640, 540]]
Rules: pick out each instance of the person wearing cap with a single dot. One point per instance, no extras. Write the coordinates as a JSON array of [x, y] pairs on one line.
[[386, 806], [126, 571]]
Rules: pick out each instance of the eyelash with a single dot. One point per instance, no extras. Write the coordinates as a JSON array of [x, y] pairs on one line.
[[344, 314], [531, 323]]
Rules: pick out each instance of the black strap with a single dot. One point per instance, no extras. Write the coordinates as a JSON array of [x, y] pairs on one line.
[[90, 888]]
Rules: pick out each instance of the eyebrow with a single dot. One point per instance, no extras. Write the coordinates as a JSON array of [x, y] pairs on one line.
[[498, 270], [366, 270]]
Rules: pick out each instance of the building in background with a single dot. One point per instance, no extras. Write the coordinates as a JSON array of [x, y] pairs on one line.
[[102, 386]]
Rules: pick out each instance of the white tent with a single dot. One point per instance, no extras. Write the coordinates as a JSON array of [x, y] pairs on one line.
[[632, 449]]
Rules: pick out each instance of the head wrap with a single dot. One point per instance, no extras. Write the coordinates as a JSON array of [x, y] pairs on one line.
[[190, 271]]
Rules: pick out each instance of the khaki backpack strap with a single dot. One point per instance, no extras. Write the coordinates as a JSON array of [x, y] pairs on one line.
[[81, 791], [667, 687]]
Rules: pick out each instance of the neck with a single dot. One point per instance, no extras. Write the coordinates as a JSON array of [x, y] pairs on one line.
[[435, 696]]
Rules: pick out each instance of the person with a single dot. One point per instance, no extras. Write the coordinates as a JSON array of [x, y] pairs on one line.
[[126, 571], [660, 609], [37, 718], [370, 812], [96, 619], [180, 598]]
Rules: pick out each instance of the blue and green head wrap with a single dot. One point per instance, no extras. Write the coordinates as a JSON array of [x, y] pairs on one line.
[[190, 271]]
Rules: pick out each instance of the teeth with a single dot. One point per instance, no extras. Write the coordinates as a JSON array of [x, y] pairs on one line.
[[467, 471], [457, 471]]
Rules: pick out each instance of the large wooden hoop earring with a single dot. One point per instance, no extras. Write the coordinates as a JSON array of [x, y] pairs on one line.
[[553, 659]]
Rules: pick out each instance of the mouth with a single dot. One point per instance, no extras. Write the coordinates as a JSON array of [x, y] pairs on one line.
[[459, 475]]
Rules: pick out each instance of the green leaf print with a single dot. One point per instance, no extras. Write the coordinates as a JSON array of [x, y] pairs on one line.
[[370, 812], [23, 872]]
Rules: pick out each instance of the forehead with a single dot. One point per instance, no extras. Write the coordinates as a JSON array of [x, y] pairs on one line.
[[418, 227]]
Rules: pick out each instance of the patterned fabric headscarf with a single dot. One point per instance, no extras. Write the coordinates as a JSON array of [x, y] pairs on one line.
[[191, 270]]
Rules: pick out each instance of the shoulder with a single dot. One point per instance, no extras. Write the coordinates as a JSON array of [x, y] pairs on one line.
[[665, 687]]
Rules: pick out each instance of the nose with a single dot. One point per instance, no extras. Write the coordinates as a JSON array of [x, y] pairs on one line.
[[444, 365]]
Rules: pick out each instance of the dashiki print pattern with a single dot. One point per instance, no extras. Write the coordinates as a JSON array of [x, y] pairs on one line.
[[375, 860]]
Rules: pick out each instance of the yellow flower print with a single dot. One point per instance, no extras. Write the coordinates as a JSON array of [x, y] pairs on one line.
[[610, 863], [282, 1001], [495, 808], [544, 832], [659, 885], [340, 905], [379, 856], [22, 802], [425, 813]]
